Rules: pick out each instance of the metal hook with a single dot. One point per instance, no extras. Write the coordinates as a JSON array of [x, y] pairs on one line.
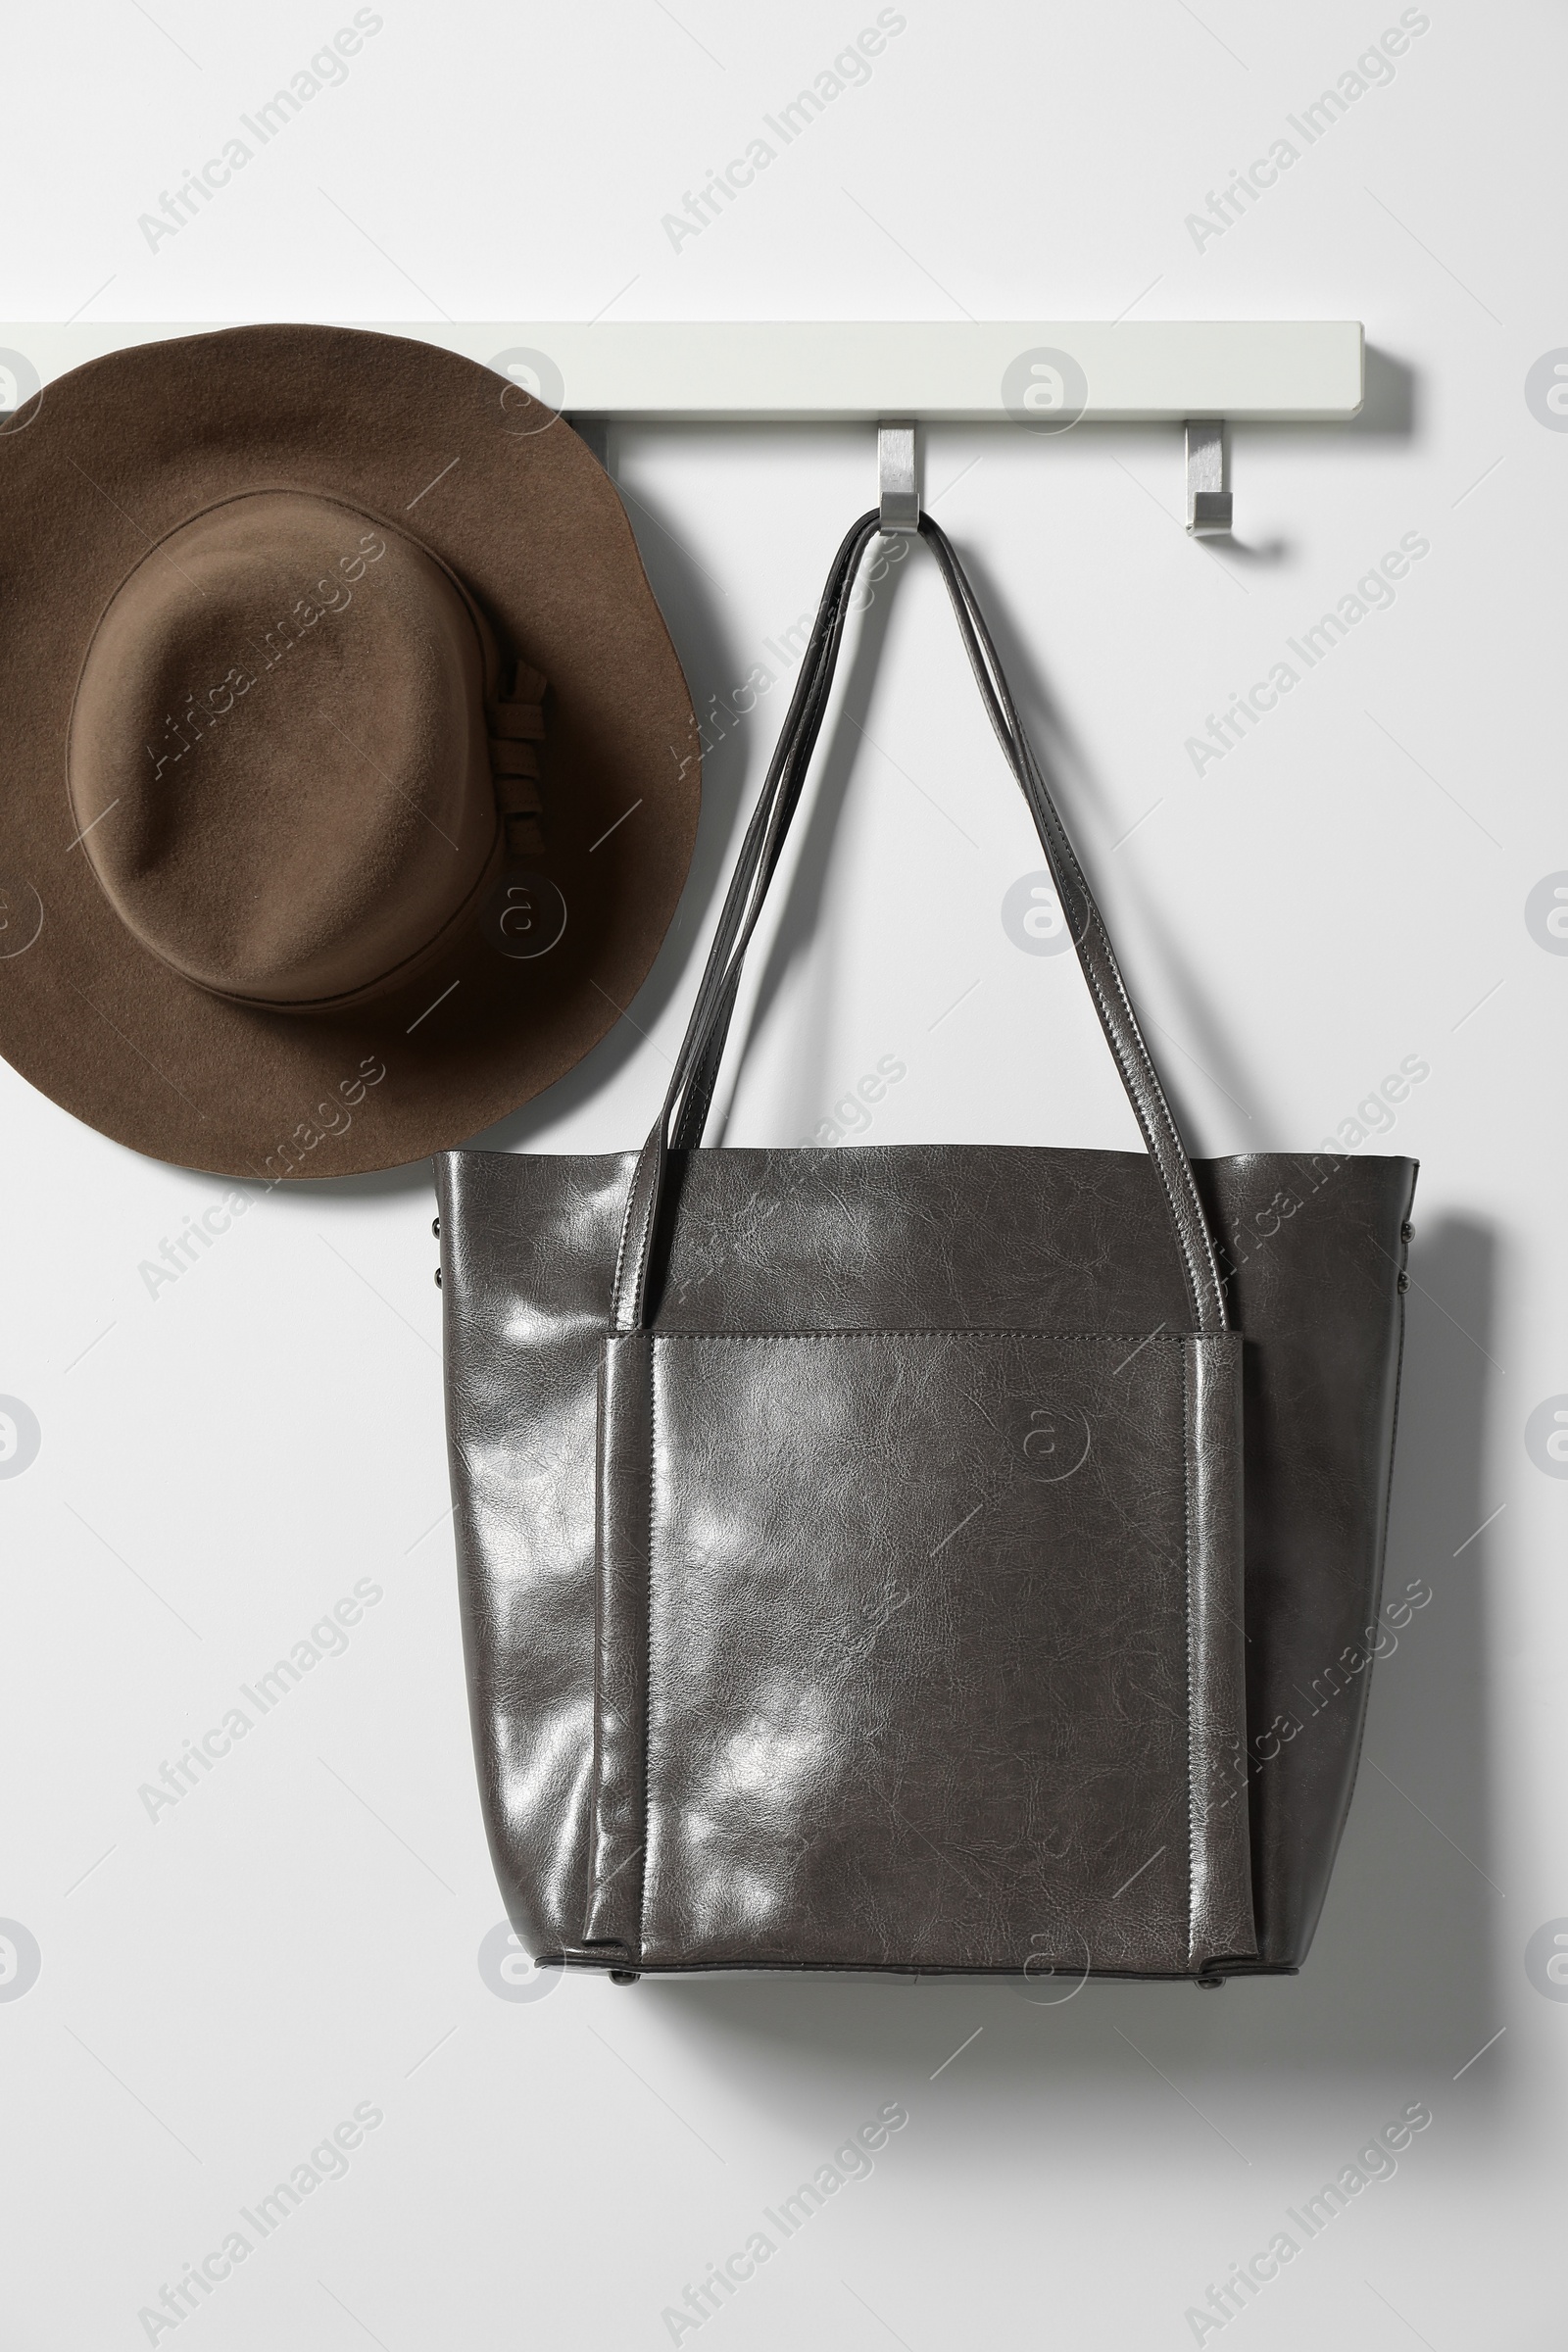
[[900, 501], [1209, 502], [1209, 505]]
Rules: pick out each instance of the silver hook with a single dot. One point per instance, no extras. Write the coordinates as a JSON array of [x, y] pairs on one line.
[[898, 507], [1209, 502]]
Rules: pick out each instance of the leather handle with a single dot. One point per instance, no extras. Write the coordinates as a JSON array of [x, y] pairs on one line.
[[684, 1112], [754, 869]]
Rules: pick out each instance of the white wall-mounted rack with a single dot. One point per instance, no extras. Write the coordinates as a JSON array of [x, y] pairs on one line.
[[1253, 371], [1042, 377]]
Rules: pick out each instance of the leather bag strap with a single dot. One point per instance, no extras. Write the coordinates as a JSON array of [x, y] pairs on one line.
[[683, 1114]]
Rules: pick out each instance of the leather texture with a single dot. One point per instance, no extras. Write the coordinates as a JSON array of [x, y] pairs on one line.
[[881, 1239], [929, 1594], [903, 1560]]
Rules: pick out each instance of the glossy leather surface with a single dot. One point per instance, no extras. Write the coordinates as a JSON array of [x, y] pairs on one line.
[[710, 1735], [684, 1112], [912, 1614], [853, 1544]]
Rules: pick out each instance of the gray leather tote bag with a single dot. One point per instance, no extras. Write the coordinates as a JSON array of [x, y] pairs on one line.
[[912, 1559]]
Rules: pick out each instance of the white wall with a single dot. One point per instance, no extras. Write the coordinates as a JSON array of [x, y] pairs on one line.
[[218, 1465]]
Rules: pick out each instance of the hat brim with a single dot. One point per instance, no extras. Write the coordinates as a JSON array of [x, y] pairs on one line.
[[115, 456]]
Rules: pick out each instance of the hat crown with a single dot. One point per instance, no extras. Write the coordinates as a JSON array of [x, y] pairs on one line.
[[277, 764]]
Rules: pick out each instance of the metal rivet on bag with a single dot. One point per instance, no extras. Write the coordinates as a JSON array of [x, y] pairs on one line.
[[623, 1975], [1407, 1233], [435, 1228], [438, 1278], [1405, 1279]]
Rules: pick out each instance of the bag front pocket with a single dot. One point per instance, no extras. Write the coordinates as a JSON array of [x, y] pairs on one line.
[[921, 1650]]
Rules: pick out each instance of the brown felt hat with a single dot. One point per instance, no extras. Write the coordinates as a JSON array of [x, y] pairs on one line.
[[348, 776]]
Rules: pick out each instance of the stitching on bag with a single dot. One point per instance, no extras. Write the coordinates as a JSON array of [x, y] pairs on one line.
[[600, 1568], [1388, 1490], [1143, 1071], [731, 1338], [645, 1242], [625, 1233], [1165, 1186], [648, 1641], [935, 1331], [1142, 1080], [1186, 1509], [1189, 1187], [1047, 821]]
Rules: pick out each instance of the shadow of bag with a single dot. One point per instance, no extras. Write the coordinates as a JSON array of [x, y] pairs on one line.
[[930, 1558]]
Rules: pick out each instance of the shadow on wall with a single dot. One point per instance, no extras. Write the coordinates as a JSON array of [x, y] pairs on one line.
[[1403, 1964], [795, 913], [1138, 917], [691, 612], [1400, 1982], [1387, 412], [1388, 403]]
